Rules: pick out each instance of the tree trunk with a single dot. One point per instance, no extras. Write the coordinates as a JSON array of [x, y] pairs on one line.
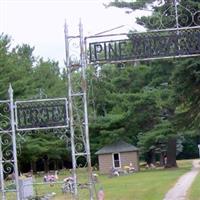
[[148, 160], [153, 157], [62, 164], [33, 166], [161, 159], [171, 153], [55, 165], [46, 165]]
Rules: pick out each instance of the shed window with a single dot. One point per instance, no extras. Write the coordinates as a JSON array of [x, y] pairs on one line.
[[116, 160]]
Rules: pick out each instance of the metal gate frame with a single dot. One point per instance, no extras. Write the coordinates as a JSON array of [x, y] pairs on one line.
[[8, 156], [9, 125]]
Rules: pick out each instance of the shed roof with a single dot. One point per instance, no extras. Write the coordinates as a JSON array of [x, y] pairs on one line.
[[119, 146]]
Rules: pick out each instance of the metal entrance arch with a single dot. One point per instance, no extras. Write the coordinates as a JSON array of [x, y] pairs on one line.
[[176, 34], [173, 41]]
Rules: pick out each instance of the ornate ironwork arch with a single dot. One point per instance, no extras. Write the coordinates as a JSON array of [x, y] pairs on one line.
[[172, 32], [175, 32]]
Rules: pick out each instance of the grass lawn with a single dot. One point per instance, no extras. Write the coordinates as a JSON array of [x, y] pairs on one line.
[[151, 184], [194, 192], [146, 185]]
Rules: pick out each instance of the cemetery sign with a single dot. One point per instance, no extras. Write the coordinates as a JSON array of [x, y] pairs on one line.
[[147, 46], [41, 114]]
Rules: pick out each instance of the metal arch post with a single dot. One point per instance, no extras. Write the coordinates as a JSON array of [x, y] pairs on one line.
[[77, 124], [10, 91], [71, 119], [1, 172], [86, 128]]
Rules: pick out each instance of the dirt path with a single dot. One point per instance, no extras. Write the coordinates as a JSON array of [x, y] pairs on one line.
[[179, 191]]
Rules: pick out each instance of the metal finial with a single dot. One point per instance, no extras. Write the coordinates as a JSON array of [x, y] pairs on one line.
[[10, 89], [80, 25], [80, 21], [65, 27]]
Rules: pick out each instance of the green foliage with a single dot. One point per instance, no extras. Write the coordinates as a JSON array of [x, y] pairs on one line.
[[156, 137], [38, 146], [28, 74], [46, 75], [134, 5], [124, 106], [186, 82], [172, 84], [190, 149]]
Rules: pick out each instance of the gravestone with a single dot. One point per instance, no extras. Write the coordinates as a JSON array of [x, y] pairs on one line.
[[26, 188]]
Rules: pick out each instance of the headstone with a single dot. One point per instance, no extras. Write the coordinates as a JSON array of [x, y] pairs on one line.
[[26, 188], [199, 149]]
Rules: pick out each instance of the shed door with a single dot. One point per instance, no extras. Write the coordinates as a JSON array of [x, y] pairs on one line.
[[116, 160]]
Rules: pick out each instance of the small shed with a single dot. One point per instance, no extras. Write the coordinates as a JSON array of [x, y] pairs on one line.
[[117, 155]]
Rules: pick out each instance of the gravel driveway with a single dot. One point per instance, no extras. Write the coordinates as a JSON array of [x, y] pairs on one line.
[[179, 191]]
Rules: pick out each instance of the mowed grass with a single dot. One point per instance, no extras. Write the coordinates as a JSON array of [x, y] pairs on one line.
[[146, 185], [194, 192], [151, 184]]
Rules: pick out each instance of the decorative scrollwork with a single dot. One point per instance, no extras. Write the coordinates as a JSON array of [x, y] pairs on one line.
[[20, 140], [4, 117], [8, 167], [175, 16], [185, 17], [74, 53], [6, 139], [81, 161], [7, 153], [6, 146], [75, 45], [62, 133], [196, 18], [79, 146], [74, 60], [155, 21]]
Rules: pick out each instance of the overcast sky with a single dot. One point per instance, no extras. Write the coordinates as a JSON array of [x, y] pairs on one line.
[[40, 23]]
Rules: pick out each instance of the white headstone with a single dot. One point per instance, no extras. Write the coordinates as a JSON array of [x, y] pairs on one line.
[[26, 188], [199, 149]]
